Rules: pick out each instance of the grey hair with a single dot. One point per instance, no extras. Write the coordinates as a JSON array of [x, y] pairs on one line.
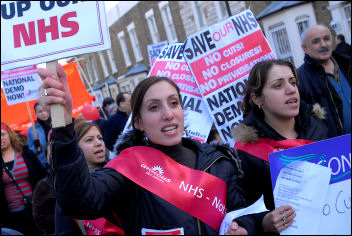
[[303, 35]]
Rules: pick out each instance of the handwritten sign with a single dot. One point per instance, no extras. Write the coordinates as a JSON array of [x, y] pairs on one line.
[[171, 64], [220, 59], [334, 153], [34, 32], [20, 85]]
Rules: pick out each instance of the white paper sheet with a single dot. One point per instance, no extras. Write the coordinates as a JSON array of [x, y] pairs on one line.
[[304, 186], [258, 206]]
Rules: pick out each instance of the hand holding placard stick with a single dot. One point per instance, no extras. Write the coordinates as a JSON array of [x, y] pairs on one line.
[[58, 93], [56, 110]]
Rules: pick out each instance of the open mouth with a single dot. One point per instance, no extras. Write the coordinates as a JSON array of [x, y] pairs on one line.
[[292, 101], [99, 151], [169, 129]]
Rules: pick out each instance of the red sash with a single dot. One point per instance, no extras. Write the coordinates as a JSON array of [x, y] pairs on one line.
[[198, 193], [264, 146], [101, 226]]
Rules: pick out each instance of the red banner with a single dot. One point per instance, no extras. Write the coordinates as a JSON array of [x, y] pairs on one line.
[[196, 192], [264, 146], [17, 117]]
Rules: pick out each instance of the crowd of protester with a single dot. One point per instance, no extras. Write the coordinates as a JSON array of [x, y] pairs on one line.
[[56, 183]]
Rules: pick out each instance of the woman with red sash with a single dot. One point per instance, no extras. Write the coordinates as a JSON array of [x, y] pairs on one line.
[[159, 182], [274, 120]]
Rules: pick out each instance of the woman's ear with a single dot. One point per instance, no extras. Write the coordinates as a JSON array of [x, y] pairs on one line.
[[138, 125], [258, 100]]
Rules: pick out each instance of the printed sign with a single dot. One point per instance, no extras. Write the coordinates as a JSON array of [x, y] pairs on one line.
[[171, 64], [17, 117], [154, 50], [34, 32], [334, 153], [20, 85], [220, 59]]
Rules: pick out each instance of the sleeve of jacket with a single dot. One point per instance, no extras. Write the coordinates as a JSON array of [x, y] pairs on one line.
[[44, 207], [79, 193], [30, 139], [38, 172], [110, 134]]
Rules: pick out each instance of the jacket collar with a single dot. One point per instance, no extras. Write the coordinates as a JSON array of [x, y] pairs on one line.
[[253, 126]]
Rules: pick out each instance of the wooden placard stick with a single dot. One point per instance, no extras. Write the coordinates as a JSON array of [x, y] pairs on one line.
[[91, 89], [56, 110]]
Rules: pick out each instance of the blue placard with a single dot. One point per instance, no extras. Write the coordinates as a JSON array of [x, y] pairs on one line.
[[334, 153]]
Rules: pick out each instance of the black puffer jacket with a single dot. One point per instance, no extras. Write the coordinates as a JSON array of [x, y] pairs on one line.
[[257, 178], [314, 87], [86, 196]]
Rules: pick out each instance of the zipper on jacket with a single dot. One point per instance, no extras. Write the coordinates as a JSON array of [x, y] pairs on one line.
[[199, 229], [198, 222], [51, 161], [213, 163], [337, 112]]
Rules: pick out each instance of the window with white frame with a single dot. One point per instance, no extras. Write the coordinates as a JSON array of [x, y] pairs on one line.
[[220, 10], [149, 15], [347, 11], [198, 14], [302, 24], [126, 56], [282, 43], [94, 69], [167, 19], [134, 41], [112, 61], [103, 63]]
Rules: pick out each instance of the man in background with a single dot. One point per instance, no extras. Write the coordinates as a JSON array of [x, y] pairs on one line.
[[342, 47], [116, 123], [325, 78]]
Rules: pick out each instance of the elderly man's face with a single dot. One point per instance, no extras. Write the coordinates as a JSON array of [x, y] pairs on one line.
[[318, 43]]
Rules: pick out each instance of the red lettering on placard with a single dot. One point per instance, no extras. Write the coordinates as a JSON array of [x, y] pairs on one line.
[[64, 21], [52, 28], [29, 37], [20, 31]]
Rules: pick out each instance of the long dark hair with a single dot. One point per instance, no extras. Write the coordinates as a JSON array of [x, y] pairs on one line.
[[82, 129], [257, 79], [140, 91]]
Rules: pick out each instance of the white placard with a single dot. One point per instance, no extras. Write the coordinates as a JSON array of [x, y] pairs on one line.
[[33, 32]]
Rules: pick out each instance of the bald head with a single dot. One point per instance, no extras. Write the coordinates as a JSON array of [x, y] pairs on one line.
[[317, 42], [309, 30]]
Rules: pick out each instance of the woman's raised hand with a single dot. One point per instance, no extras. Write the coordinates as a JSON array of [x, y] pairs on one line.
[[53, 91]]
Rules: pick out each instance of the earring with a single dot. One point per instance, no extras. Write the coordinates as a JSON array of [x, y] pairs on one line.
[[260, 106]]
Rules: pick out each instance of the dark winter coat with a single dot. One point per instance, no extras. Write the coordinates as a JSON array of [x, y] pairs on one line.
[[44, 202], [35, 173], [257, 178], [90, 196], [115, 126], [314, 87], [343, 48]]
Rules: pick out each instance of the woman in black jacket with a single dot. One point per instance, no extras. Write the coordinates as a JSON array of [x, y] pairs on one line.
[[274, 119], [20, 171], [143, 183]]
